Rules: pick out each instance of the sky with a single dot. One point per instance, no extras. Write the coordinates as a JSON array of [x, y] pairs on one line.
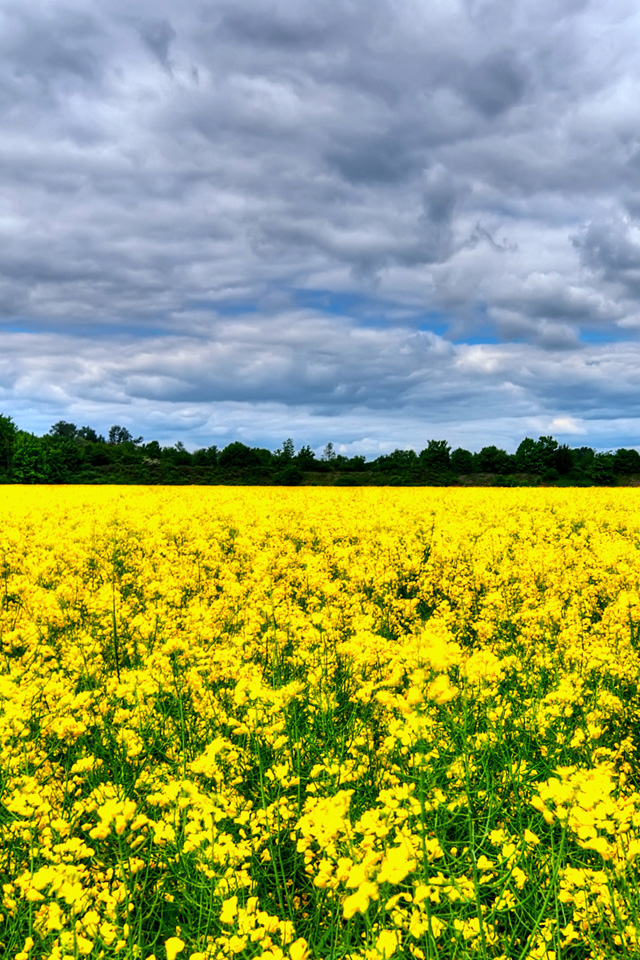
[[373, 223]]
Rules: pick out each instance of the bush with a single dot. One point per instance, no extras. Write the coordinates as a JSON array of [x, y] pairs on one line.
[[289, 476]]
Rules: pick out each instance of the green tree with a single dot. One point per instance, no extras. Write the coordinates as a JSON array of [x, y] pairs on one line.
[[63, 458], [30, 459], [8, 433], [536, 456], [493, 459], [264, 456], [601, 469], [626, 462], [328, 454], [583, 458], [402, 460], [563, 459], [118, 434], [179, 455], [89, 434], [436, 456], [286, 453], [64, 429], [305, 458], [461, 461], [96, 454], [152, 450], [239, 455], [206, 457], [357, 463]]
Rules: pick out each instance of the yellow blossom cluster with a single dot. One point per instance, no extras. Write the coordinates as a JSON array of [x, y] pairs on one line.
[[319, 723]]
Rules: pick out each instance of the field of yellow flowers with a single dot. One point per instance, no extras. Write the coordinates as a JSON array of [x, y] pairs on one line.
[[319, 723]]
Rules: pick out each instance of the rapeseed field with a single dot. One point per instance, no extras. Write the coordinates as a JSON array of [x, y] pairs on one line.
[[319, 723]]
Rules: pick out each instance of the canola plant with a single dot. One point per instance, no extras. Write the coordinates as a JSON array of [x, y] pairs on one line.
[[319, 723]]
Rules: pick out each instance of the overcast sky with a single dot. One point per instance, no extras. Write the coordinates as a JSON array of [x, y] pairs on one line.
[[372, 223]]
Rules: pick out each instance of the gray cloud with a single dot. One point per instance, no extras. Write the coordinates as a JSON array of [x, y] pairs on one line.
[[181, 182], [495, 84], [335, 382], [610, 248], [53, 50], [158, 35]]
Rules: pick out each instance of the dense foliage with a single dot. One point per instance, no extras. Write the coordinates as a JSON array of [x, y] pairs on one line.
[[282, 724], [68, 454]]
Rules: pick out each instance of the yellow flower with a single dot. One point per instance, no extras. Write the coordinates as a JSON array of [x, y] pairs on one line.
[[299, 949], [84, 945], [237, 944], [397, 863], [174, 946], [441, 689], [359, 901], [229, 910], [387, 943]]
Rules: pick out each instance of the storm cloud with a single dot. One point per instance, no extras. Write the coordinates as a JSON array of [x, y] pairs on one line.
[[371, 224]]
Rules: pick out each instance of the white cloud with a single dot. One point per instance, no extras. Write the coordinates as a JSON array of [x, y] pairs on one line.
[[567, 426], [182, 182]]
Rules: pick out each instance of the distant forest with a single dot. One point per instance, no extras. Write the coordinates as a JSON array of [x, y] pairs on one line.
[[71, 454]]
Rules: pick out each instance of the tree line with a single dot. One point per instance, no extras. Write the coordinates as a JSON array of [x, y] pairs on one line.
[[71, 454]]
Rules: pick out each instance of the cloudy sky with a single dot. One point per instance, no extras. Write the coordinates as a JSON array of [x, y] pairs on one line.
[[373, 223]]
